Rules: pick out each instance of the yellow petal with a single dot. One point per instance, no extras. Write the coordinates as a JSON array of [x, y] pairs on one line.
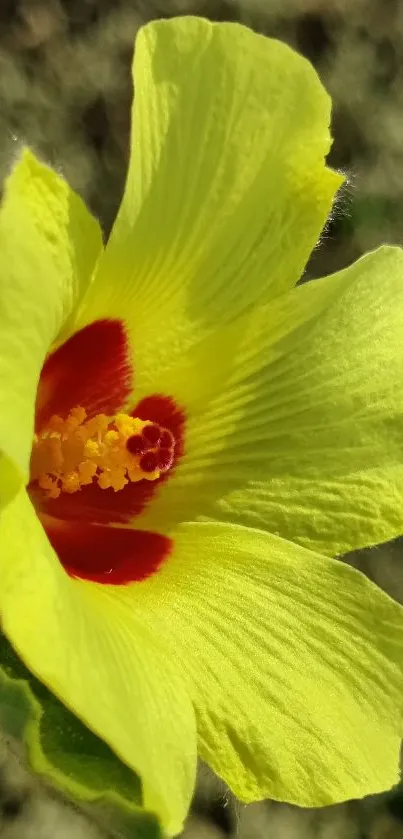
[[94, 651], [294, 662], [97, 655], [227, 190], [49, 244], [296, 415]]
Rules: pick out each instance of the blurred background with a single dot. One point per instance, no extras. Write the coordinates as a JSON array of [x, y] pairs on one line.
[[65, 89]]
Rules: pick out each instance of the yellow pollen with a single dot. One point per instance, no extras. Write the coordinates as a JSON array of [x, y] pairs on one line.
[[74, 452]]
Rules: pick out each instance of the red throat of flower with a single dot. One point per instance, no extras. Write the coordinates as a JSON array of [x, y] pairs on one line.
[[93, 470]]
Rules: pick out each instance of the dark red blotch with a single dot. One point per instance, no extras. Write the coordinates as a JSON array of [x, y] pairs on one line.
[[116, 556], [92, 369]]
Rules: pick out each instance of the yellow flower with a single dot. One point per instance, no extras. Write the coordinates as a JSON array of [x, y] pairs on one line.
[[187, 439]]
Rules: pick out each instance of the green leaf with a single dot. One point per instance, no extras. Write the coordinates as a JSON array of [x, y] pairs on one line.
[[63, 750]]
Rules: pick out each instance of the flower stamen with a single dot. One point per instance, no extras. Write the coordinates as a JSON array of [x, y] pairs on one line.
[[110, 451]]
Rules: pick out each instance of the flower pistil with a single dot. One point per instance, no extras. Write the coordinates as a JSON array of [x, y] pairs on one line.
[[76, 451]]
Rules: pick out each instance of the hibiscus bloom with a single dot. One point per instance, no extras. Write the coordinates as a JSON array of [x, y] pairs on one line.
[[187, 440]]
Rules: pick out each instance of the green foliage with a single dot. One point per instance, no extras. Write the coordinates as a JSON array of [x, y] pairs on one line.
[[63, 750]]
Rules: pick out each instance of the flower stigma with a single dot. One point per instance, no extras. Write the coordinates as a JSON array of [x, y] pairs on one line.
[[74, 452]]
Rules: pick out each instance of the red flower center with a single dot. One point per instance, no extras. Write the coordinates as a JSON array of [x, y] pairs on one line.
[[94, 468]]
